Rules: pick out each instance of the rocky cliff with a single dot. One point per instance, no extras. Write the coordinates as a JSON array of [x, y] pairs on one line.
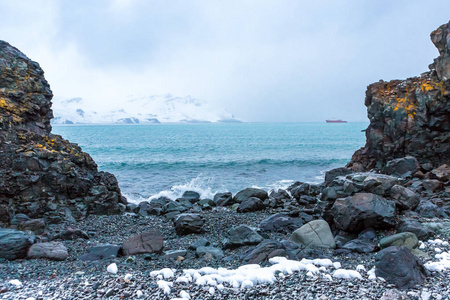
[[410, 117], [41, 174]]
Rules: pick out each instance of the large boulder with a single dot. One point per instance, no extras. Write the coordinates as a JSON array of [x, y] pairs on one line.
[[148, 242], [240, 236], [251, 204], [402, 167], [410, 117], [14, 244], [280, 223], [363, 210], [41, 174], [192, 196], [101, 251], [410, 225], [52, 251], [223, 199], [250, 192], [398, 266], [189, 223], [442, 173], [314, 234], [404, 198]]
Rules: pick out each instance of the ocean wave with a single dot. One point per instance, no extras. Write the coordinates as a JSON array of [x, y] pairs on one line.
[[164, 165]]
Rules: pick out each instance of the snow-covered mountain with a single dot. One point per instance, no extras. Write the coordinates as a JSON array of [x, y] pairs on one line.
[[143, 110]]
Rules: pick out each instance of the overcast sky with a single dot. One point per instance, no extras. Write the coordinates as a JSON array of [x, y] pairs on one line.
[[260, 60]]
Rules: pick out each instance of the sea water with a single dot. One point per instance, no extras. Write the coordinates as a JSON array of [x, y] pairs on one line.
[[168, 159]]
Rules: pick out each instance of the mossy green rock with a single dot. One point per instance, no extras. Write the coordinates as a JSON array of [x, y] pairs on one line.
[[406, 239]]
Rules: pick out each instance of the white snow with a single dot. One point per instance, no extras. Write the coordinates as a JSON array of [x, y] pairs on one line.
[[360, 268], [185, 295], [141, 110], [16, 282], [127, 277], [211, 290], [371, 274], [165, 286], [112, 268], [442, 264], [139, 294], [346, 274]]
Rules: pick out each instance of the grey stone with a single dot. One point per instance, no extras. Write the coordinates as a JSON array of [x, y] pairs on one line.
[[398, 266], [174, 254], [250, 192], [199, 243], [51, 250], [241, 235], [100, 252], [37, 226], [191, 196], [360, 246], [314, 234], [251, 204], [264, 251], [280, 223], [406, 239], [148, 242], [409, 225], [402, 167], [223, 199], [214, 252], [189, 223], [404, 198], [363, 210], [14, 244]]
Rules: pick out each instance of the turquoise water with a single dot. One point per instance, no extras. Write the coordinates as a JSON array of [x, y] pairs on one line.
[[170, 158]]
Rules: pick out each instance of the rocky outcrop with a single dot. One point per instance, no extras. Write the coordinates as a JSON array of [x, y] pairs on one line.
[[41, 174], [410, 117]]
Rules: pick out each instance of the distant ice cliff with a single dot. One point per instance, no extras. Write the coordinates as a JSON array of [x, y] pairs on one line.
[[144, 110]]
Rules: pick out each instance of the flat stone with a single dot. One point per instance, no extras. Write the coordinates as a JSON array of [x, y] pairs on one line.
[[189, 223], [406, 239], [240, 236], [100, 252], [214, 252], [148, 242], [51, 250], [315, 234]]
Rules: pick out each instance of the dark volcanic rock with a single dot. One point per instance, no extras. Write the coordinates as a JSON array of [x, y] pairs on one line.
[[191, 196], [363, 210], [280, 223], [409, 225], [240, 236], [251, 204], [332, 174], [404, 198], [14, 244], [52, 250], [212, 252], [264, 251], [410, 117], [189, 223], [223, 199], [397, 265], [250, 192], [100, 252], [41, 174], [148, 242], [402, 167]]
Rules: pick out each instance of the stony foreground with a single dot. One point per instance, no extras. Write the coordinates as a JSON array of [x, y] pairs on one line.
[[76, 279]]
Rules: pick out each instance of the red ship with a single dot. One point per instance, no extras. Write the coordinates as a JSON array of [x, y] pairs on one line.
[[336, 121]]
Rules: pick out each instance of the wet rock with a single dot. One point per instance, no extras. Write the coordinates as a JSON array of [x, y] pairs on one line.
[[200, 243], [189, 223], [402, 167], [332, 174], [398, 266], [206, 204], [406, 239], [432, 185], [52, 251], [5, 213], [223, 199], [277, 198], [148, 242], [250, 192], [177, 206], [363, 210], [251, 204], [154, 207], [315, 234], [264, 251], [428, 209], [212, 252], [280, 223], [240, 236], [72, 234], [360, 246], [37, 226], [409, 225], [442, 173], [14, 244], [19, 219], [43, 175], [191, 196], [101, 251], [174, 254], [404, 198]]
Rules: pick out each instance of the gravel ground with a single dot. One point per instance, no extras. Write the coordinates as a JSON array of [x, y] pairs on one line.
[[75, 279]]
